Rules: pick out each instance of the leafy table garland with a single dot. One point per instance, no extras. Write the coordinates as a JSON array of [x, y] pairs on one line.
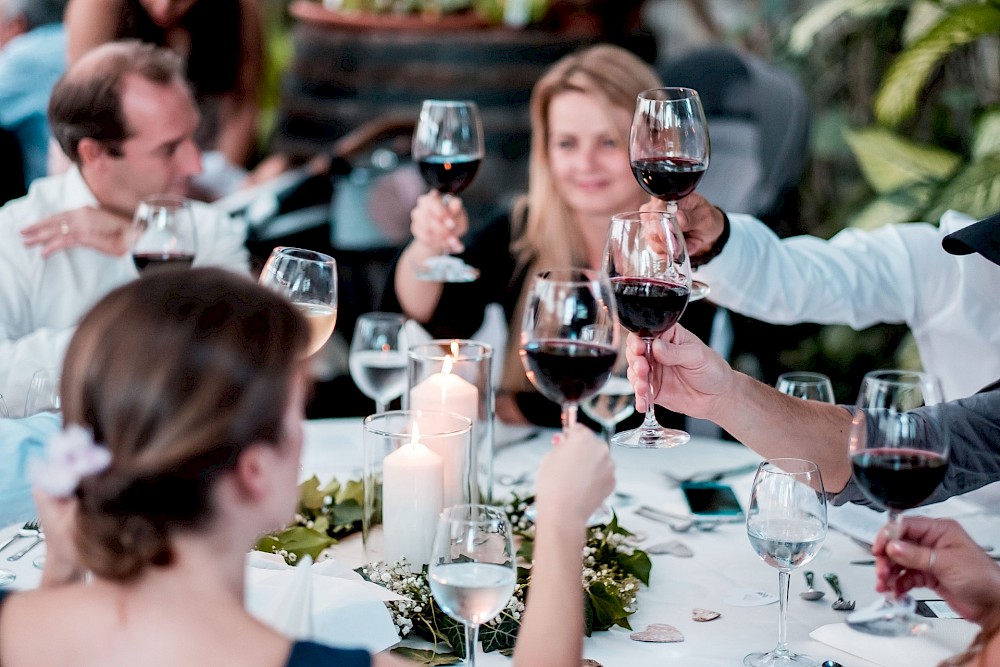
[[613, 568]]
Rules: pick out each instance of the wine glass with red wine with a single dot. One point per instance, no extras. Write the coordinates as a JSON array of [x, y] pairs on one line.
[[899, 454], [569, 336], [669, 148], [163, 233], [646, 260], [448, 148]]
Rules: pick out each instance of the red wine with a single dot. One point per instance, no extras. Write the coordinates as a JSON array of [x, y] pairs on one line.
[[448, 175], [647, 306], [567, 371], [668, 178], [898, 479], [154, 260]]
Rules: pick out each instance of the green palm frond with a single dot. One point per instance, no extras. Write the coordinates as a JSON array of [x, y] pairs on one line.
[[904, 205], [890, 163], [899, 94], [922, 17], [974, 190], [986, 138], [818, 18]]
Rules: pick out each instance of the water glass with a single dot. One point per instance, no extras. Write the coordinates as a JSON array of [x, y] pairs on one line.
[[807, 385], [378, 357]]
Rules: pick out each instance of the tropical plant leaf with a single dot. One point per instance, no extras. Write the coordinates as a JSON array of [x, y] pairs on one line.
[[889, 162], [899, 93], [814, 21], [500, 636], [986, 138], [426, 656], [923, 16], [890, 209], [975, 190]]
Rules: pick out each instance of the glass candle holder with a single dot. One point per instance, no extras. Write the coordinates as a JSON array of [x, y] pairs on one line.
[[416, 463], [456, 376]]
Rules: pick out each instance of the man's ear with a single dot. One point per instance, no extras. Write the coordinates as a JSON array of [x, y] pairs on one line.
[[91, 150], [252, 471]]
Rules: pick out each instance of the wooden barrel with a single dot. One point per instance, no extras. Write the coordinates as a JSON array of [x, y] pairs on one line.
[[344, 74]]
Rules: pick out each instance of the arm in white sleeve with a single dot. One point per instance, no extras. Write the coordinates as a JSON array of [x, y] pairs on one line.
[[221, 240], [856, 278]]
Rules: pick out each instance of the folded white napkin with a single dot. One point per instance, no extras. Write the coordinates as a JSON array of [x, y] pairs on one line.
[[944, 639], [326, 602]]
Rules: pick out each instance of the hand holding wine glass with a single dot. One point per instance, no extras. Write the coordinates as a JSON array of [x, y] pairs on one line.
[[899, 457], [309, 280], [569, 336], [378, 357], [786, 524], [163, 233], [473, 569], [646, 260], [448, 147]]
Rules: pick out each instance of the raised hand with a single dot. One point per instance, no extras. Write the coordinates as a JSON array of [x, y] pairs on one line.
[[438, 224], [86, 226], [699, 220], [576, 475]]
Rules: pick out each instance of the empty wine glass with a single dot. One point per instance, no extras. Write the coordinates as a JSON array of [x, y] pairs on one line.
[[378, 357], [786, 524], [309, 280], [646, 260], [163, 233], [473, 570], [448, 148], [669, 149], [807, 385], [899, 457], [43, 392], [569, 336]]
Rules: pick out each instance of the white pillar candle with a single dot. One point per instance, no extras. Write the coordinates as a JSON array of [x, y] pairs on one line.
[[448, 392], [411, 502]]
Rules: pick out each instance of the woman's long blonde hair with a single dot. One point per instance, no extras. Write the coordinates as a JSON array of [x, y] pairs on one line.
[[544, 232]]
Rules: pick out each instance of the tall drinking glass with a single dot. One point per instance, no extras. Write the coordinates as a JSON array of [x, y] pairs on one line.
[[899, 454], [807, 385], [473, 569], [309, 280], [669, 148], [378, 357], [163, 233], [569, 336], [448, 147], [786, 524], [646, 260]]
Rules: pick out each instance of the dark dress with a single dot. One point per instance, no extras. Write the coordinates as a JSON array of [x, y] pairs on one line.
[[462, 307], [310, 654]]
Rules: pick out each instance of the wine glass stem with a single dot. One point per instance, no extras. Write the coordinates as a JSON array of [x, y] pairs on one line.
[[650, 420], [381, 406], [782, 647], [471, 638], [893, 529], [568, 416], [609, 432]]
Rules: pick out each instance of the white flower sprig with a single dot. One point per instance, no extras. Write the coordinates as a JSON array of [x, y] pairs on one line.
[[70, 455]]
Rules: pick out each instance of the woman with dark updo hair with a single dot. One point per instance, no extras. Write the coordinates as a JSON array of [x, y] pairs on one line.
[[191, 384]]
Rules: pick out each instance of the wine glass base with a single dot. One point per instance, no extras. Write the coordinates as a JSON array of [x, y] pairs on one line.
[[601, 517], [651, 438], [777, 658], [699, 290], [7, 577], [447, 269], [887, 619]]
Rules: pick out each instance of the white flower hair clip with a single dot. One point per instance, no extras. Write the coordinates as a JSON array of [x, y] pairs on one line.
[[70, 455]]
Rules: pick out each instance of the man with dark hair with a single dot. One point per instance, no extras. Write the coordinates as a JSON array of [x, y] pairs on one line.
[[32, 58], [126, 117]]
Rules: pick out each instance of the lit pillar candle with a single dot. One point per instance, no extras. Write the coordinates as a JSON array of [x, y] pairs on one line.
[[448, 392], [411, 501]]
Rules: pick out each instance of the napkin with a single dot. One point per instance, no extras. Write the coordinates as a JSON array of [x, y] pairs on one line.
[[944, 639], [325, 602]]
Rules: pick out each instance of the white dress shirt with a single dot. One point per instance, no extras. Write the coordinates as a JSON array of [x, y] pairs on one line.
[[41, 300], [894, 274]]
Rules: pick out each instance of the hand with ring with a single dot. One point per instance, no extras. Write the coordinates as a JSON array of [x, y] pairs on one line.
[[86, 226], [939, 554]]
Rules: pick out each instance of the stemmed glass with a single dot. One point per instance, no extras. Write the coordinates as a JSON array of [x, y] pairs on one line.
[[448, 147], [614, 402], [669, 148], [569, 336], [378, 357], [899, 457], [786, 524], [43, 392], [163, 233], [309, 280], [807, 385], [646, 260], [473, 569]]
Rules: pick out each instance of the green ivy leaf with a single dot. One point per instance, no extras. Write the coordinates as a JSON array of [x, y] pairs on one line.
[[426, 656], [890, 162], [310, 496], [607, 608], [588, 617], [297, 540], [638, 565], [975, 190], [352, 491], [502, 636], [906, 78]]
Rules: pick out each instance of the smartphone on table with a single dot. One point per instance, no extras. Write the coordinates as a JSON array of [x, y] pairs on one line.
[[712, 500]]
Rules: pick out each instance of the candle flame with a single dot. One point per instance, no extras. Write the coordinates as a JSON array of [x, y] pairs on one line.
[[454, 348], [386, 347]]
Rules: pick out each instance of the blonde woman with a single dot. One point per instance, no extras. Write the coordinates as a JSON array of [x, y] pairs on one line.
[[579, 176]]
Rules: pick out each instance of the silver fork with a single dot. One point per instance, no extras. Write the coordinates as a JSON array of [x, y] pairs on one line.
[[39, 538], [29, 529], [840, 604]]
